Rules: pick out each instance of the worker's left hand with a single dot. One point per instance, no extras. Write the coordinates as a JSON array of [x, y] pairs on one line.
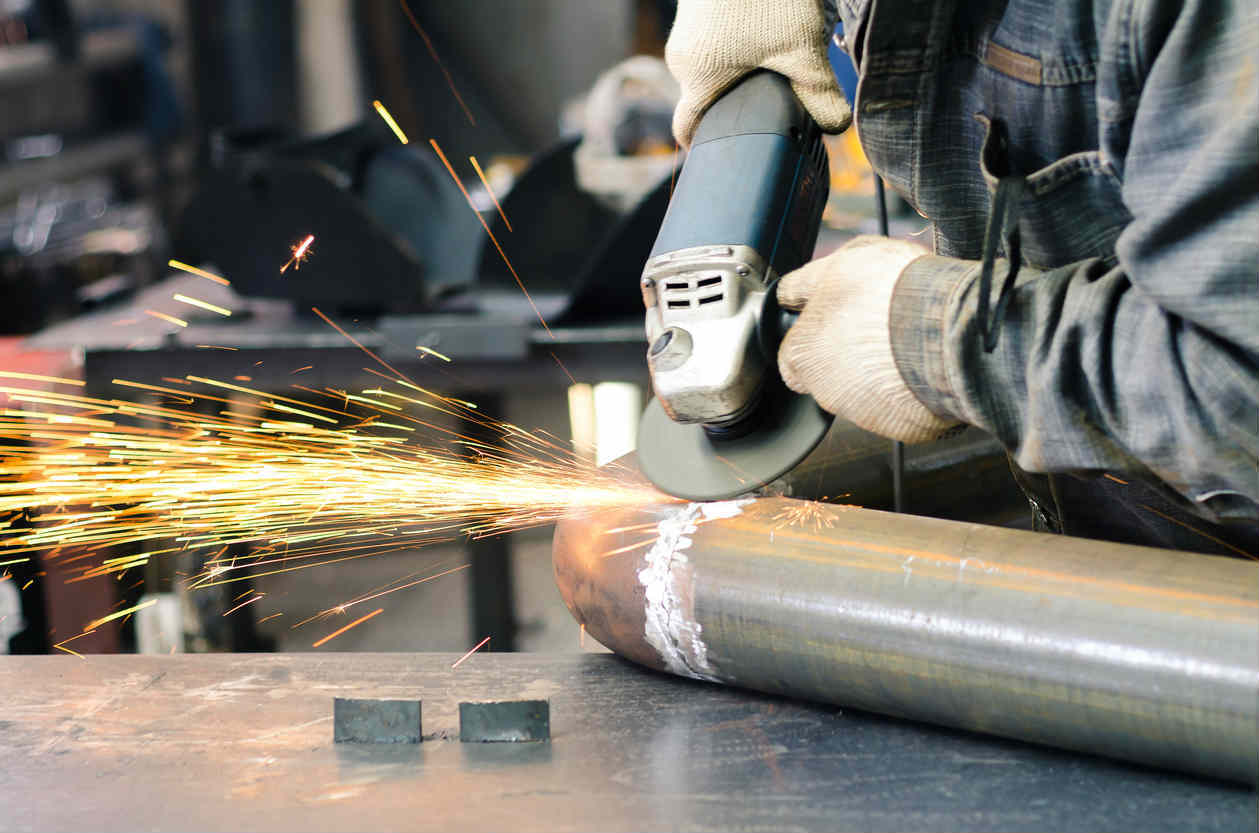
[[840, 349]]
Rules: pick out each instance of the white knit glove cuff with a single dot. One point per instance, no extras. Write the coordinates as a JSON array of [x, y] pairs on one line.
[[714, 43], [840, 349]]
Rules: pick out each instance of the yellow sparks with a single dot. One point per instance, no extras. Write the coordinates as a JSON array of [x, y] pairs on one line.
[[475, 648], [300, 252], [205, 305], [127, 611], [169, 318], [342, 630], [201, 273], [313, 486], [393, 125], [431, 352], [213, 347], [36, 377], [480, 173]]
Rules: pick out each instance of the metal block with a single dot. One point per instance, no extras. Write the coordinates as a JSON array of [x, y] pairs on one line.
[[509, 721], [376, 721]]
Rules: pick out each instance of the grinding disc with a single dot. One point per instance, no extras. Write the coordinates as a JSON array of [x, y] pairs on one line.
[[684, 461]]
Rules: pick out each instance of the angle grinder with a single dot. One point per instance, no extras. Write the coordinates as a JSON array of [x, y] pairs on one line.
[[746, 210]]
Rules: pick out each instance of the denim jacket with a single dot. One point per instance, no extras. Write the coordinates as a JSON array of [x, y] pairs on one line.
[[1130, 345]]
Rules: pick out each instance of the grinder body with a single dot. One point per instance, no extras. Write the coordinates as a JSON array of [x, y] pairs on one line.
[[746, 209]]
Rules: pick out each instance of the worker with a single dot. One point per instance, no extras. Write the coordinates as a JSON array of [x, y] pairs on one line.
[[1090, 171]]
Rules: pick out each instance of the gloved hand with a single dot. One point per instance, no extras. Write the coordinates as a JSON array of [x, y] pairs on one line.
[[840, 349], [714, 43]]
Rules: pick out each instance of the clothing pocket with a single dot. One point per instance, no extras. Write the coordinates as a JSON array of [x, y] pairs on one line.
[[1072, 209]]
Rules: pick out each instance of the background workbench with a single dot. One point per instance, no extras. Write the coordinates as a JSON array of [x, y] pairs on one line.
[[214, 742]]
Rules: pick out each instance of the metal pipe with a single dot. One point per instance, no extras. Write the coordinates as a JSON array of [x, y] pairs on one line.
[[1130, 652]]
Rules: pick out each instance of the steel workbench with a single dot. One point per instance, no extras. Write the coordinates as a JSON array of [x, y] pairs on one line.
[[212, 742]]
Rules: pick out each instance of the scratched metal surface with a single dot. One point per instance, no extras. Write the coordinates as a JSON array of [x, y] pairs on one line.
[[216, 742]]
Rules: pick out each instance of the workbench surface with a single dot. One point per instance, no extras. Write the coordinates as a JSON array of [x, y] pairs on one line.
[[214, 742]]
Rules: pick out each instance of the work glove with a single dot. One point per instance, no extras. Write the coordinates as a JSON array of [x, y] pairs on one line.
[[714, 43], [839, 351]]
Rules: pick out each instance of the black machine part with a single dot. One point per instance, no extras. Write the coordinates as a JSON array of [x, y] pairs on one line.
[[747, 209]]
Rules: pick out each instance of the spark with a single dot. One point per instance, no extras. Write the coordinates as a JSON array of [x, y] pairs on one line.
[[1203, 533], [357, 343], [214, 347], [60, 646], [430, 351], [300, 252], [206, 305], [493, 239], [244, 603], [96, 623], [480, 173], [201, 273], [110, 484], [269, 618], [342, 630], [1110, 476], [805, 513], [302, 368], [169, 318], [36, 377], [475, 648], [393, 125], [563, 368], [450, 82]]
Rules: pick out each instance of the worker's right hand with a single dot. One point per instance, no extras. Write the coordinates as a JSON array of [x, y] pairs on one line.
[[714, 43]]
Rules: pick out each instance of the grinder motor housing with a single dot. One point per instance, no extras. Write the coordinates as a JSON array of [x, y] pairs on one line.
[[746, 210]]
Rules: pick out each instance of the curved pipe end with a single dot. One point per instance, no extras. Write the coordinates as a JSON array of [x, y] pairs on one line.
[[598, 579]]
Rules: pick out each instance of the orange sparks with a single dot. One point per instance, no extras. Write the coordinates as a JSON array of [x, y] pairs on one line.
[[493, 239], [393, 125], [353, 624], [300, 252], [205, 305], [489, 191], [563, 368], [59, 645], [302, 368], [415, 24], [358, 343], [201, 273], [214, 347], [475, 648], [169, 318]]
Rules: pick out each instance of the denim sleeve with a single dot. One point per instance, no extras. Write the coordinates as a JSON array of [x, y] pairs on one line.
[[1150, 366]]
